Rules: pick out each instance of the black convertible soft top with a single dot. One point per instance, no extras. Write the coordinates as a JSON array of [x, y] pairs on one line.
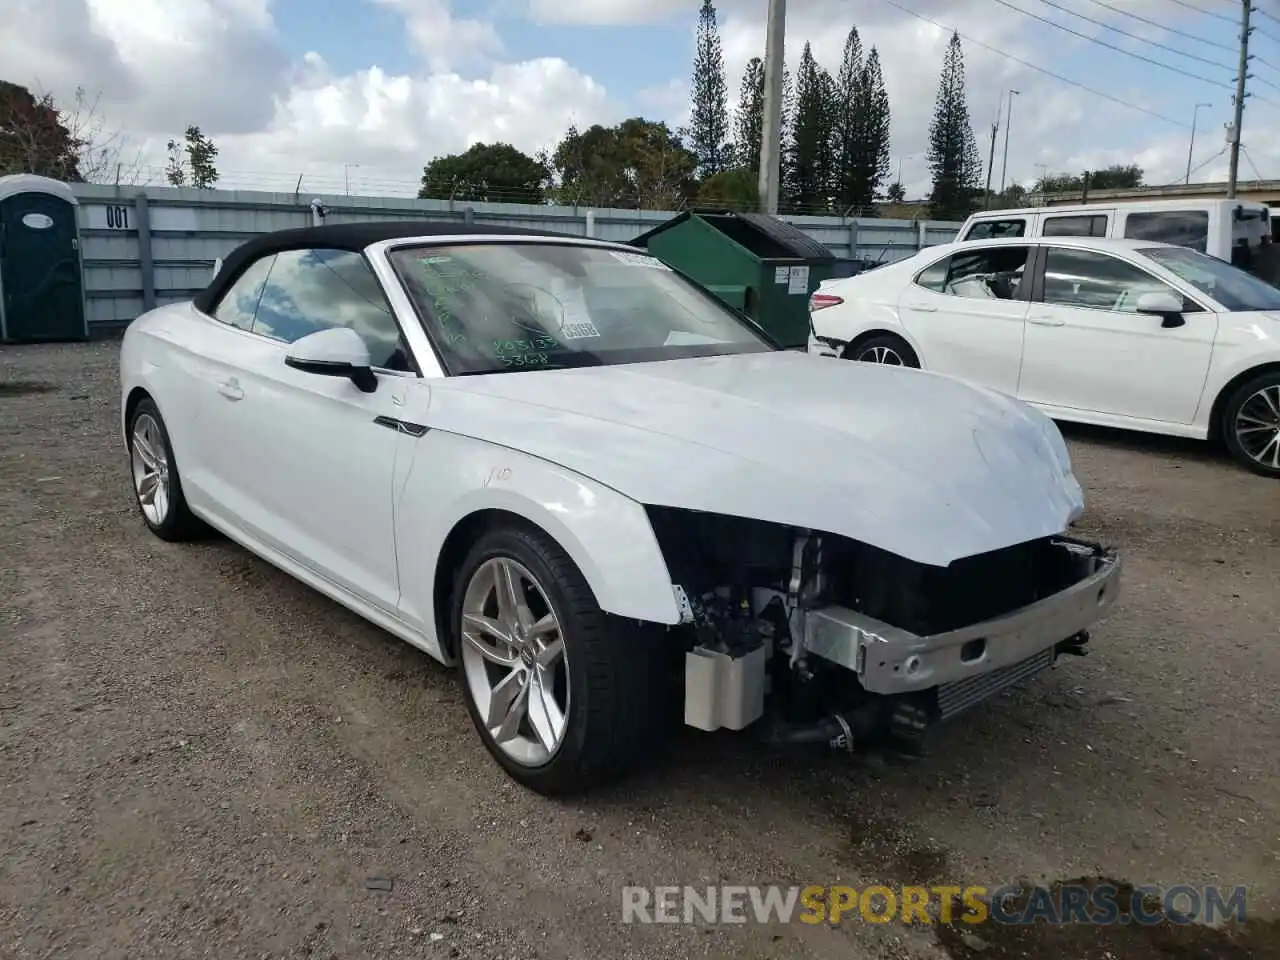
[[345, 236]]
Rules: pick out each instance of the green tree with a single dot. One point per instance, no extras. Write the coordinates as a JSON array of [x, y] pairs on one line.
[[876, 133], [485, 173], [737, 189], [749, 119], [175, 170], [896, 193], [202, 156], [708, 131], [34, 137], [860, 147], [847, 124], [953, 151], [809, 169], [637, 164], [1115, 177], [191, 160]]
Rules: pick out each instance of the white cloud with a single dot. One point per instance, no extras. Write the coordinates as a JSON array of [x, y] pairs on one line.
[[442, 39], [161, 64], [391, 125]]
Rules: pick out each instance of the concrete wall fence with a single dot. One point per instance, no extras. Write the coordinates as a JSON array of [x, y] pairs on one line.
[[143, 247]]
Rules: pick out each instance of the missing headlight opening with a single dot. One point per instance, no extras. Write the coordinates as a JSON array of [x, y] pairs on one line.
[[817, 638]]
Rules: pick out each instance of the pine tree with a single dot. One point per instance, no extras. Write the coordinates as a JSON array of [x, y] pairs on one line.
[[953, 151], [810, 136], [709, 123], [876, 129], [848, 122], [749, 119]]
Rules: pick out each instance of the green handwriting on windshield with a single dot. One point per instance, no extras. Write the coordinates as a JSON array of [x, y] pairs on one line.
[[527, 353], [447, 284]]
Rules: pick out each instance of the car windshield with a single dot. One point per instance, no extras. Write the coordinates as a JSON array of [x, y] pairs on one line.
[[1230, 286], [526, 306]]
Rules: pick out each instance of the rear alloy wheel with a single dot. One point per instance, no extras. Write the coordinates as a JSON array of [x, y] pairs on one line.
[[563, 696], [1251, 424], [156, 484], [885, 349]]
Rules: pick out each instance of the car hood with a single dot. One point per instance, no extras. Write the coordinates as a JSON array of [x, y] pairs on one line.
[[924, 466]]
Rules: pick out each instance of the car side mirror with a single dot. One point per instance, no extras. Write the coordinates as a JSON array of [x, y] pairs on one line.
[[1163, 304], [335, 352]]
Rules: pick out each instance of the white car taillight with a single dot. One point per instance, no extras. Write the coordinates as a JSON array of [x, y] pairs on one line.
[[820, 301]]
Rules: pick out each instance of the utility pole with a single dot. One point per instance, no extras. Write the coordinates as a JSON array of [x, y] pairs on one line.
[[991, 160], [1192, 146], [1241, 76], [771, 132], [1008, 124]]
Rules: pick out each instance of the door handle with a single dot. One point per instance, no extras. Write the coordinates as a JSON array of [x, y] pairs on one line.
[[1046, 321], [925, 309], [231, 389]]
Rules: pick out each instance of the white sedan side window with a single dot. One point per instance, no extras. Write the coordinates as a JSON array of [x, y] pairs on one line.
[[991, 274], [1096, 281]]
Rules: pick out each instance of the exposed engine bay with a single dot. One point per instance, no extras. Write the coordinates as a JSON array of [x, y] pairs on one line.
[[843, 643]]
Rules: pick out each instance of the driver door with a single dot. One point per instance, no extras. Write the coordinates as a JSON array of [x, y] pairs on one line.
[[313, 456]]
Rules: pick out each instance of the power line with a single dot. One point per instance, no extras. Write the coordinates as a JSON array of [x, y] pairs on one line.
[[1270, 36], [1131, 36], [1257, 176], [1270, 16], [1161, 26], [1111, 46], [1204, 12], [1039, 69]]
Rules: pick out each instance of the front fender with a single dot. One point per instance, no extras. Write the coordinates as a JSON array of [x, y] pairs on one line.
[[450, 477]]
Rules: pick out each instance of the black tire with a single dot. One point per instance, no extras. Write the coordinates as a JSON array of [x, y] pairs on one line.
[[618, 692], [1244, 396], [178, 524], [875, 348]]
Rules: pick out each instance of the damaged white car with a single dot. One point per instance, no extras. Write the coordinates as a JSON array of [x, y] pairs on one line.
[[606, 496]]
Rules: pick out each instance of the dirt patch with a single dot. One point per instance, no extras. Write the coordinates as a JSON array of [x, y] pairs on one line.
[[897, 855], [1123, 924], [18, 388]]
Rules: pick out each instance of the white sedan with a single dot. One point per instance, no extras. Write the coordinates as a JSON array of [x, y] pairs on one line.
[[608, 497], [1118, 333]]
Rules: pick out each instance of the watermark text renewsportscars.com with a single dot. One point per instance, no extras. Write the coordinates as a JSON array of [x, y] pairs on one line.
[[814, 904]]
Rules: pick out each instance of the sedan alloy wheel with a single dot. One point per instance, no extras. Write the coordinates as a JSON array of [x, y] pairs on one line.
[[879, 353], [1257, 427], [513, 655]]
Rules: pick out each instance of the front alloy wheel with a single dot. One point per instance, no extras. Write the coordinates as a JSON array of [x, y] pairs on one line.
[[563, 695], [514, 659], [1257, 427]]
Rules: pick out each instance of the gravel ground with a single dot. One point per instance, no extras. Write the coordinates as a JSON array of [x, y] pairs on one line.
[[202, 757]]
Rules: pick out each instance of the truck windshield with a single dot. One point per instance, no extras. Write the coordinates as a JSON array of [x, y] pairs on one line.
[[1232, 287], [508, 306]]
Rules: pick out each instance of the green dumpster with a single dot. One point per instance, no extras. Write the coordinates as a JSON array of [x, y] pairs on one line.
[[759, 264]]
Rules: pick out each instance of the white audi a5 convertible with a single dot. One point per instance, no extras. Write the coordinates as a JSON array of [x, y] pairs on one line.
[[611, 500]]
